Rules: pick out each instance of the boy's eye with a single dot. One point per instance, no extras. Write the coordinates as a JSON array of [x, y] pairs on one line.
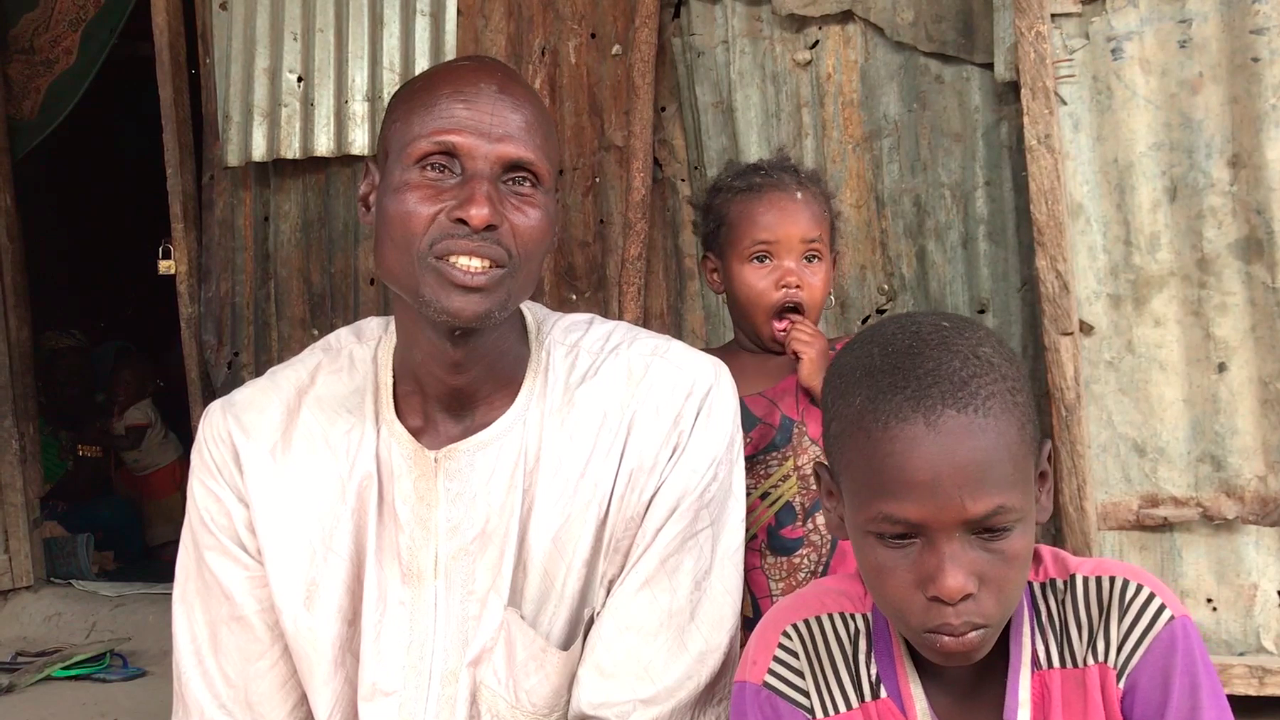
[[813, 258], [760, 259], [896, 540], [995, 533]]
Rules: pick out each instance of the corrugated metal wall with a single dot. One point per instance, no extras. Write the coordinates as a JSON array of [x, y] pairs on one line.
[[311, 78], [1171, 138], [922, 151], [575, 54], [289, 263]]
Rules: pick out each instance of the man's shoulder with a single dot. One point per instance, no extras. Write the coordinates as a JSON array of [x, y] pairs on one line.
[[620, 347], [342, 364]]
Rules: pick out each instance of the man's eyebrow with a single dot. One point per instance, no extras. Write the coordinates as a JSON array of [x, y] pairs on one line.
[[885, 518]]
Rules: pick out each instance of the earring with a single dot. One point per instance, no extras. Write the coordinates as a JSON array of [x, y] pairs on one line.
[[831, 301]]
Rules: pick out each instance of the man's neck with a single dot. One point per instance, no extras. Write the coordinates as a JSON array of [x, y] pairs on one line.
[[451, 384]]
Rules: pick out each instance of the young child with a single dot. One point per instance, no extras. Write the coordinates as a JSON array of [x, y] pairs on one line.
[[766, 230], [155, 465], [939, 476]]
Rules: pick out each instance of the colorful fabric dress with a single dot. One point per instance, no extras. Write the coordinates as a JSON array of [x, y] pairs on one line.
[[788, 545], [1091, 640]]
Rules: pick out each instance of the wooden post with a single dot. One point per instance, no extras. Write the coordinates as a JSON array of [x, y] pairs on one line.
[[22, 480], [642, 65], [180, 170], [1058, 319]]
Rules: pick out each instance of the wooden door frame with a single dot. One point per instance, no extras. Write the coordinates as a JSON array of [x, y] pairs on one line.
[[173, 79], [21, 475]]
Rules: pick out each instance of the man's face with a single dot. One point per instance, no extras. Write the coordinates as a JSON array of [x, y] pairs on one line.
[[462, 201], [943, 522]]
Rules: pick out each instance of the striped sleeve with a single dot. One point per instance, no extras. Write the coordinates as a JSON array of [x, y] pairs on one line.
[[1174, 679]]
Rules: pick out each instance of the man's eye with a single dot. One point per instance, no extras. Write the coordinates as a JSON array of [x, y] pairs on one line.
[[994, 534], [438, 168], [521, 181]]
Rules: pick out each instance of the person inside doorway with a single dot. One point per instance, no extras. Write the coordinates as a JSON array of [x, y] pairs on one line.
[[478, 507]]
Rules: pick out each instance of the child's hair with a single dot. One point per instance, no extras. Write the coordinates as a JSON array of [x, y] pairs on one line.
[[738, 181], [918, 366]]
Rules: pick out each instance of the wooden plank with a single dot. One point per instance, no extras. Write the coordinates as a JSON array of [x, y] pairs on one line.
[[1059, 321], [1249, 676], [1249, 507], [21, 476], [642, 64], [184, 199], [1006, 43]]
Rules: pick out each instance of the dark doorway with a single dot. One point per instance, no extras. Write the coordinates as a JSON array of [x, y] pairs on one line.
[[95, 210]]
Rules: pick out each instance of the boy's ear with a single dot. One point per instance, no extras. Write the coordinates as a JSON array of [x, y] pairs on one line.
[[832, 502], [1044, 483], [712, 273]]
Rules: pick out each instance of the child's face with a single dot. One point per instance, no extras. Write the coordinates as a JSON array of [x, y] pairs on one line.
[[943, 524], [775, 263]]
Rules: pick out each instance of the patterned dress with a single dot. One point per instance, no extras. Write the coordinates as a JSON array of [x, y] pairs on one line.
[[788, 545]]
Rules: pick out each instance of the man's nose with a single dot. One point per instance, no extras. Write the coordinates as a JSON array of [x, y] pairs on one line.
[[476, 209]]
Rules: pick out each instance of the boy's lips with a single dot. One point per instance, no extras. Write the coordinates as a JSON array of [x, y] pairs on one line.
[[785, 314]]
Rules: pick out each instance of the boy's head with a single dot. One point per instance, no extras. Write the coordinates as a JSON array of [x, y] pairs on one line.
[[132, 380], [938, 476], [767, 229]]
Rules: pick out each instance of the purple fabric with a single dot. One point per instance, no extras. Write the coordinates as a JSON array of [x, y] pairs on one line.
[[753, 702], [1016, 625], [1175, 679], [882, 642]]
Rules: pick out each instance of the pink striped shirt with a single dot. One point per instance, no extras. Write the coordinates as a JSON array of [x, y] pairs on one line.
[[1091, 640]]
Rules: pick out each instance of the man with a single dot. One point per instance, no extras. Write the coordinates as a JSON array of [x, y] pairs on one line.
[[478, 508]]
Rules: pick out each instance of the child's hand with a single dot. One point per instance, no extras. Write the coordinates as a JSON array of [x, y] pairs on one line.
[[807, 344]]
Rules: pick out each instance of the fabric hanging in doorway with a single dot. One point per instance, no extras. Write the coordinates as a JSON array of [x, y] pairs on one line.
[[52, 51]]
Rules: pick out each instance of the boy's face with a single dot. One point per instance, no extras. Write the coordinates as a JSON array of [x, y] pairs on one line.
[[943, 524]]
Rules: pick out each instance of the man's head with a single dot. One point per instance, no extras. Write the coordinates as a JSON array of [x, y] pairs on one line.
[[938, 476], [462, 192]]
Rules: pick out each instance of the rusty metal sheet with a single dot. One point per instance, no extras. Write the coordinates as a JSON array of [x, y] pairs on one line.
[[960, 28], [575, 54], [1171, 144], [290, 263], [923, 154], [308, 78]]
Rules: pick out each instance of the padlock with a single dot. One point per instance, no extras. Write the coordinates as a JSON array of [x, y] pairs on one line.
[[166, 266]]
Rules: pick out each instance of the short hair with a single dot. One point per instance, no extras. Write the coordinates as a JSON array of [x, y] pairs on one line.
[[738, 181], [916, 367]]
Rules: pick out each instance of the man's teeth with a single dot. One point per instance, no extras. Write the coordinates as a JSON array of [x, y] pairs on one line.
[[469, 262]]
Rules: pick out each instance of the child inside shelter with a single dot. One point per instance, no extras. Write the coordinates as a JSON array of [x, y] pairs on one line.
[[938, 475], [767, 230]]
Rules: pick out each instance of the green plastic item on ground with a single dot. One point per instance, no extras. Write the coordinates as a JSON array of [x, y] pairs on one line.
[[46, 667]]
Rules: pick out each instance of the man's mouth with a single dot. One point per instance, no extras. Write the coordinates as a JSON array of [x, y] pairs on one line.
[[469, 263]]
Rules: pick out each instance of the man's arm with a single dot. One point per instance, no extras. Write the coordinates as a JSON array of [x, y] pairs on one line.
[[665, 645], [229, 656], [1175, 679]]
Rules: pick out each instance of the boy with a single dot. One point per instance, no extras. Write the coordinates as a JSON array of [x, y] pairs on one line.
[[938, 476]]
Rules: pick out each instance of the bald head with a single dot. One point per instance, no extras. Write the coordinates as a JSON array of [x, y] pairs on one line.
[[472, 74]]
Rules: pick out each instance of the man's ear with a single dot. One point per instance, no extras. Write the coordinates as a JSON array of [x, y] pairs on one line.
[[832, 502], [367, 197], [1044, 483], [712, 273]]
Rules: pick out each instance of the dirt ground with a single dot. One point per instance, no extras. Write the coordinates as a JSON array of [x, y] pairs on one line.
[[52, 614]]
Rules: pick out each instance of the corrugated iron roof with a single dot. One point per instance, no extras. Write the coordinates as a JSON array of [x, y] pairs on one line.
[[306, 78], [1171, 143]]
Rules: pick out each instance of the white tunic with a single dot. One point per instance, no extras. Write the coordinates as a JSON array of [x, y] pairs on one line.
[[580, 558]]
